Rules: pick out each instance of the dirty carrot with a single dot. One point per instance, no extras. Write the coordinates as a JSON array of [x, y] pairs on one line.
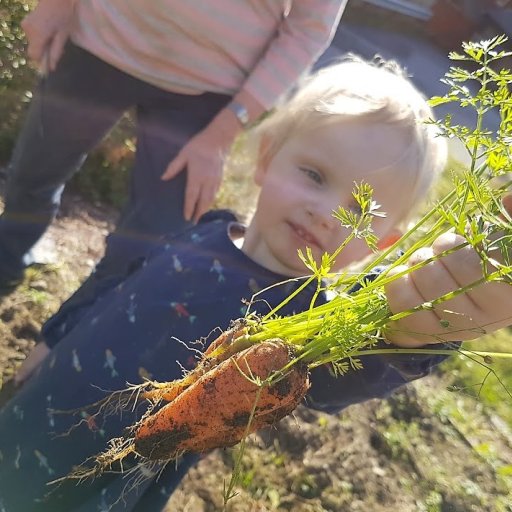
[[247, 391], [219, 350], [215, 410]]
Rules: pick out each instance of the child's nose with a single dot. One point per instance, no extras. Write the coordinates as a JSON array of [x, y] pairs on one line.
[[322, 212]]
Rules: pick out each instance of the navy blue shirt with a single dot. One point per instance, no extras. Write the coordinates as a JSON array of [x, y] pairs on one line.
[[190, 288]]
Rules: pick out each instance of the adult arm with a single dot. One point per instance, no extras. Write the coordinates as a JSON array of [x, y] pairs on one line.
[[47, 29], [203, 156], [303, 34]]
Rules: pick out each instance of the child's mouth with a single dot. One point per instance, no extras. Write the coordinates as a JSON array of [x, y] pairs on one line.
[[304, 235]]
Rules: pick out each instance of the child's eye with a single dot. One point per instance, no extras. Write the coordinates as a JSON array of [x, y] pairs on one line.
[[312, 174]]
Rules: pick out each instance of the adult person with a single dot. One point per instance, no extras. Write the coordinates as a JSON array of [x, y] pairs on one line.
[[196, 72]]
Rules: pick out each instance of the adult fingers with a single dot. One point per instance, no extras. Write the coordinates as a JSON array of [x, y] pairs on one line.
[[176, 165], [202, 187], [37, 40], [56, 48], [204, 200], [202, 160]]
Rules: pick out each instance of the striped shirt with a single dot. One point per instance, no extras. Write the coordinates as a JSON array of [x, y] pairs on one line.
[[196, 46]]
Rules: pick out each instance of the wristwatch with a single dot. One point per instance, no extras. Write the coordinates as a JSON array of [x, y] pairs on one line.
[[240, 112]]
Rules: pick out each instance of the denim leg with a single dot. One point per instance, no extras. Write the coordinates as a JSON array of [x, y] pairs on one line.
[[69, 114], [165, 122]]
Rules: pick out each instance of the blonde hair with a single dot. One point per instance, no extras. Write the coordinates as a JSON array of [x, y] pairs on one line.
[[377, 91]]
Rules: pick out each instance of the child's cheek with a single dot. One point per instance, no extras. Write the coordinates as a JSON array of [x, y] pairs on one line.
[[354, 252]]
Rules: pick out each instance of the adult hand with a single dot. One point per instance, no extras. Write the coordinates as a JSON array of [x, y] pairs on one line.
[[467, 316], [203, 157], [47, 29]]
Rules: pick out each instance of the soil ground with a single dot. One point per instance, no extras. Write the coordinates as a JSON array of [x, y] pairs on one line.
[[424, 449]]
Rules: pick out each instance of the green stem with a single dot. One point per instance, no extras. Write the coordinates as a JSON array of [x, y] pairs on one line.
[[448, 352], [289, 298]]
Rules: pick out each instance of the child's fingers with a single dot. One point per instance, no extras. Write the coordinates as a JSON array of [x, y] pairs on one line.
[[507, 204], [481, 309], [458, 263], [438, 277], [403, 295], [448, 321]]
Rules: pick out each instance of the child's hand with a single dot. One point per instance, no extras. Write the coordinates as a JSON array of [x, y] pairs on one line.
[[31, 363], [483, 309]]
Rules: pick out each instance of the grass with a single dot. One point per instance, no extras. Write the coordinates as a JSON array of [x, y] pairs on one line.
[[490, 384]]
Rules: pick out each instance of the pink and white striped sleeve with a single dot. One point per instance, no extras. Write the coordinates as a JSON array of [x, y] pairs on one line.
[[303, 35]]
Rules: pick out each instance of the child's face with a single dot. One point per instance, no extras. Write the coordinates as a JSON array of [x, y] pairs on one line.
[[311, 176]]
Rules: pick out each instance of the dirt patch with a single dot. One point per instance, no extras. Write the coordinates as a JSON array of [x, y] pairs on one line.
[[75, 242]]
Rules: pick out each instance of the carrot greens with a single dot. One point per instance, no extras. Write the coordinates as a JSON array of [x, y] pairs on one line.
[[355, 319]]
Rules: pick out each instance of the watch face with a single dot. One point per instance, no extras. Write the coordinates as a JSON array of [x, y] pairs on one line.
[[240, 111]]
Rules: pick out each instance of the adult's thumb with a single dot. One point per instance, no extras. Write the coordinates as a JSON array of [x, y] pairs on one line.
[[174, 167], [56, 48]]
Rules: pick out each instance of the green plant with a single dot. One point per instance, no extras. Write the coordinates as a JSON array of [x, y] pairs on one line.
[[476, 380], [16, 76], [434, 502], [351, 324], [305, 485]]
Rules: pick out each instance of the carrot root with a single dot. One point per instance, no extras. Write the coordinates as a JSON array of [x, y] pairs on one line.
[[219, 350], [233, 391], [215, 410]]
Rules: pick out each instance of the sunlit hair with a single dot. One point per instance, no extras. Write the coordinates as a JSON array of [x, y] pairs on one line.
[[377, 91]]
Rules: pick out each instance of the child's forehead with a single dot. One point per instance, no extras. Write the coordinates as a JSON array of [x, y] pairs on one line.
[[360, 144]]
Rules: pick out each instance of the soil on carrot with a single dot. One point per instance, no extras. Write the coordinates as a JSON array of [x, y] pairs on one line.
[[424, 449]]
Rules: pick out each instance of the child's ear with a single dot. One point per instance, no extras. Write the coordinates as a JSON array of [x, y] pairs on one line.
[[263, 160], [389, 239]]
